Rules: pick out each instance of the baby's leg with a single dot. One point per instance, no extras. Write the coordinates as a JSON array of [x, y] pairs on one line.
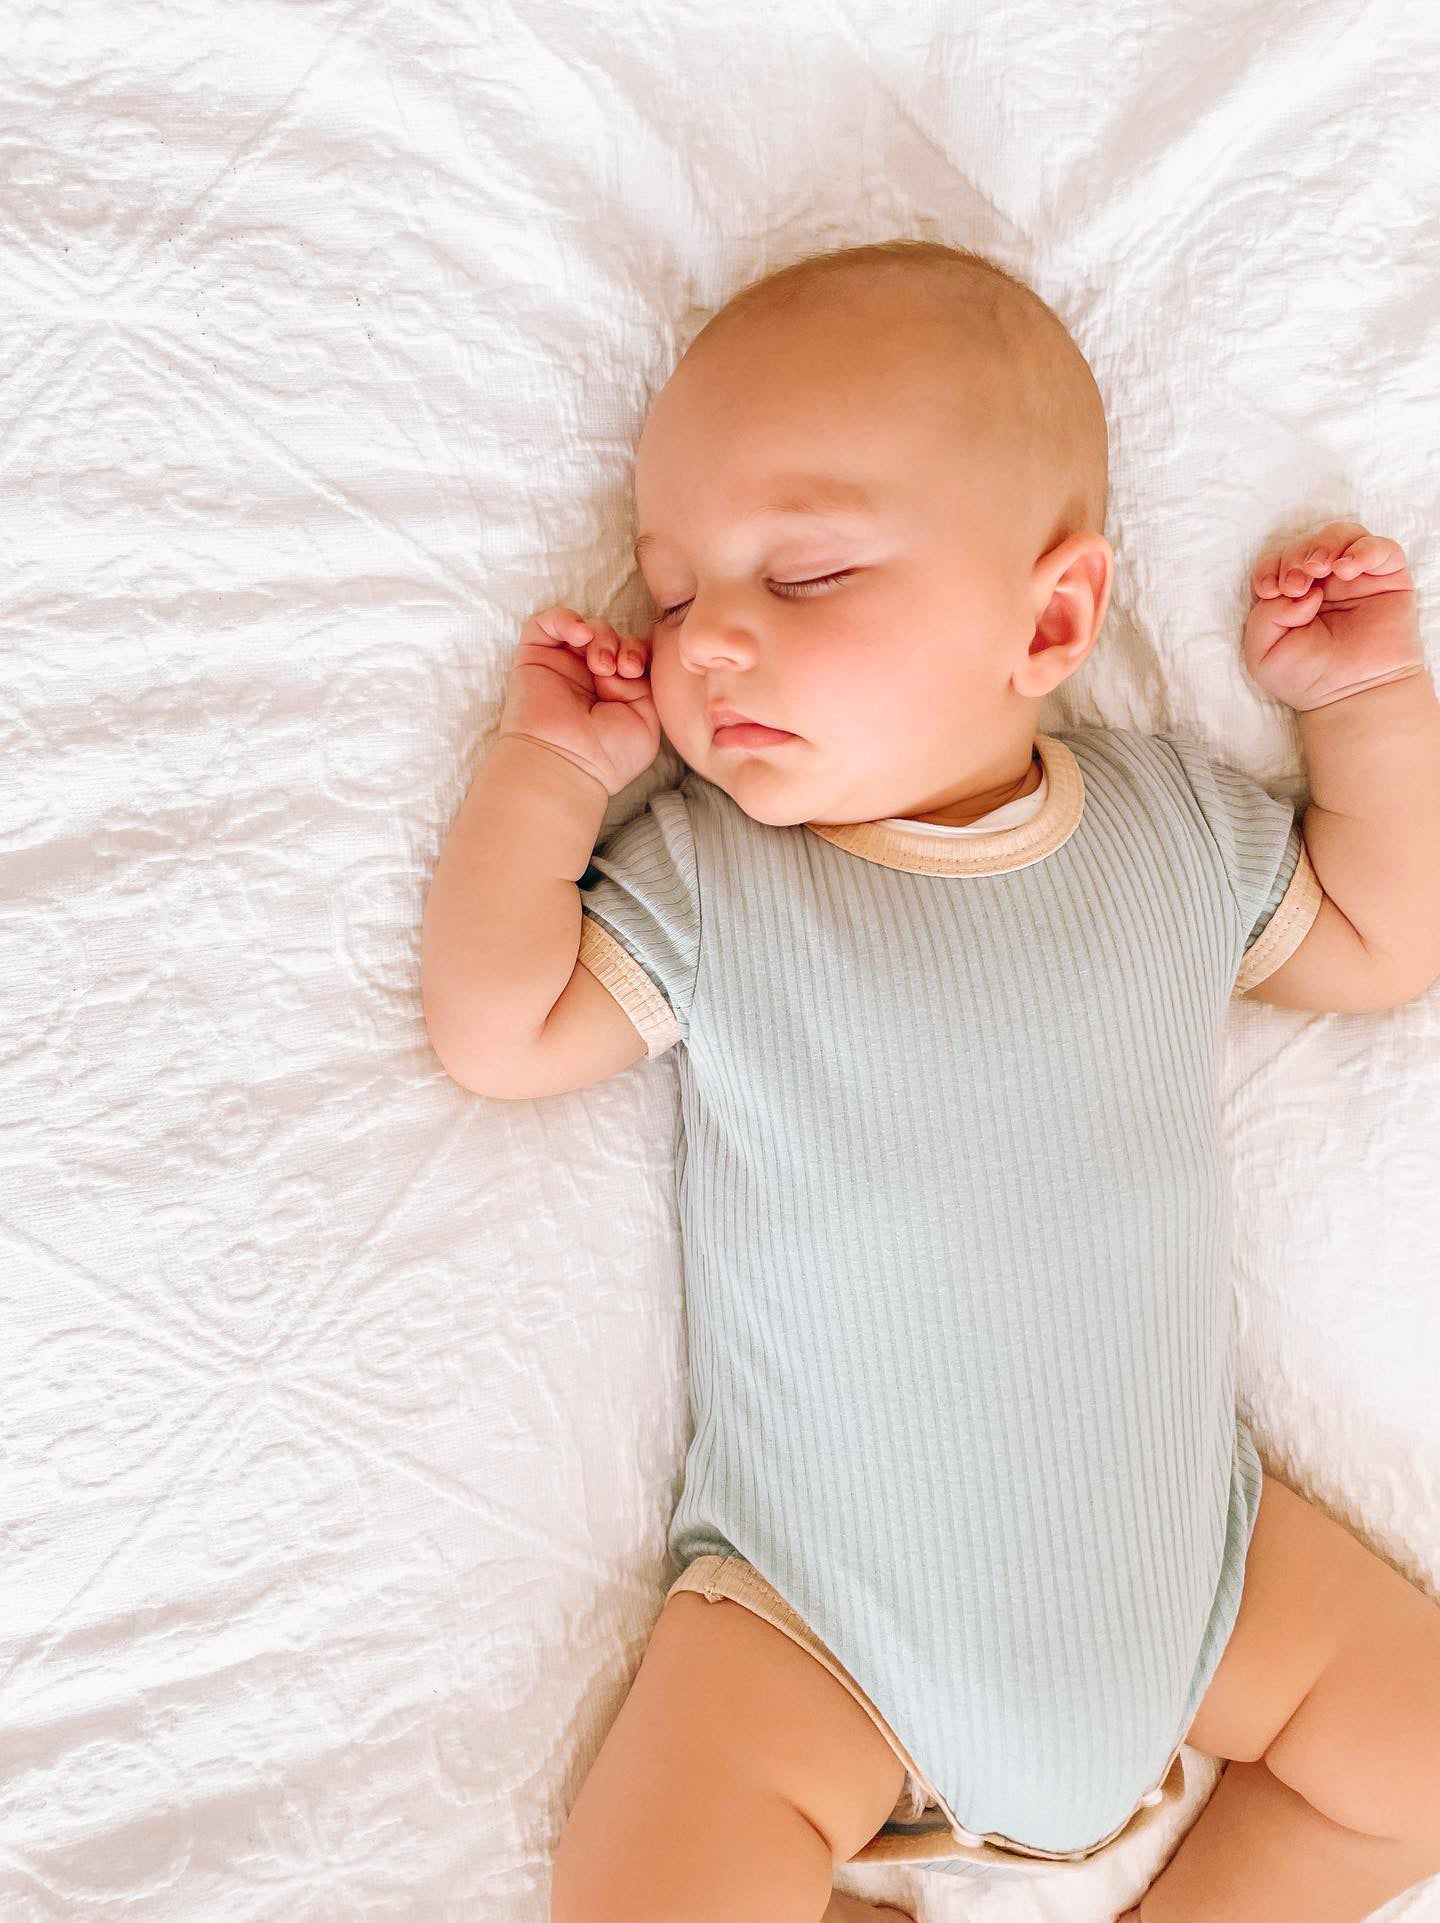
[[1328, 1697], [736, 1774]]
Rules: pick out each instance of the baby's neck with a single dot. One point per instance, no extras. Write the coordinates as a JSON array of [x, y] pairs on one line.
[[958, 814]]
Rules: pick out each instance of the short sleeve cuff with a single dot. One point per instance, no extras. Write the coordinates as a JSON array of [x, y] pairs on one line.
[[1286, 928], [618, 971]]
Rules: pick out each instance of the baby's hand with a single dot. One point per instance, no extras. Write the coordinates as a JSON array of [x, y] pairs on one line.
[[582, 689], [1334, 612]]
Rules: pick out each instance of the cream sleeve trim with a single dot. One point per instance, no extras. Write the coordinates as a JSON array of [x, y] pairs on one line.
[[616, 969], [1286, 928]]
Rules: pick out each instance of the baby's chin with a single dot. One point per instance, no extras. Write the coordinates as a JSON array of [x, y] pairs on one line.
[[765, 791]]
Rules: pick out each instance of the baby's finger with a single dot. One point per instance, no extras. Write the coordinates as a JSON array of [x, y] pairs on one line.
[[1263, 582], [601, 654], [618, 654], [1311, 555], [1371, 554], [1291, 567], [562, 625], [634, 655], [1282, 574], [1268, 624]]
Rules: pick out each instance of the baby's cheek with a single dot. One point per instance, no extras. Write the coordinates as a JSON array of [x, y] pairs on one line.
[[679, 697], [662, 668]]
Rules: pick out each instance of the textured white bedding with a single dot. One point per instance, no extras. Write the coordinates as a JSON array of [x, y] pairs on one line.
[[341, 1412]]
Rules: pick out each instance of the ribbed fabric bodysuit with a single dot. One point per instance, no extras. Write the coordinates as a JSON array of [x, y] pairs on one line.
[[955, 1225]]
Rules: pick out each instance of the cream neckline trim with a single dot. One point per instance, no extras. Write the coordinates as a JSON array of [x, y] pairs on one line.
[[997, 853]]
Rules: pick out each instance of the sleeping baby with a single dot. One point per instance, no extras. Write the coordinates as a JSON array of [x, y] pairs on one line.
[[971, 1540]]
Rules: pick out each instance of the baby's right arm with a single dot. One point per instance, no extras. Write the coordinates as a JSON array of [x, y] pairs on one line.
[[509, 1010]]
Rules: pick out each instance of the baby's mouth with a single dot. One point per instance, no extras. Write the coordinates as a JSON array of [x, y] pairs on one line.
[[750, 734]]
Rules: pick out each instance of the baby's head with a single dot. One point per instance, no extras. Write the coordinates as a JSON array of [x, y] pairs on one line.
[[940, 416]]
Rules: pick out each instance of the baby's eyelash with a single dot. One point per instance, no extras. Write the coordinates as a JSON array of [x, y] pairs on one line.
[[820, 581], [794, 590]]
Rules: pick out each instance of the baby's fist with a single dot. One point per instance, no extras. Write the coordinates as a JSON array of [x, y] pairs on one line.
[[582, 689], [1333, 614]]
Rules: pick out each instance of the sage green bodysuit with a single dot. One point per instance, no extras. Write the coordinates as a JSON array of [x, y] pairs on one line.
[[955, 1227]]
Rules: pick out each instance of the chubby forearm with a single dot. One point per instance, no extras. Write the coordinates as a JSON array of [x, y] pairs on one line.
[[1372, 829], [502, 916]]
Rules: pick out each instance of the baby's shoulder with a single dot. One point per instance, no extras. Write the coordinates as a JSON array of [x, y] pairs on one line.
[[1102, 738], [1126, 756]]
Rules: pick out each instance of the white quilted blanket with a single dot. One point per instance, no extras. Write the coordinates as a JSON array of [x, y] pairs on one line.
[[341, 1412]]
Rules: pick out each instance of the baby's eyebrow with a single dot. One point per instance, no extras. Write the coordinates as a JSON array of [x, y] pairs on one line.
[[809, 497]]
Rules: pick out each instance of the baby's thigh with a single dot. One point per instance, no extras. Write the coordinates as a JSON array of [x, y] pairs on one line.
[[1331, 1674], [737, 1772]]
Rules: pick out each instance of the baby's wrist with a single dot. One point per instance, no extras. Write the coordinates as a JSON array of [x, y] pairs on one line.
[[542, 761], [1364, 687]]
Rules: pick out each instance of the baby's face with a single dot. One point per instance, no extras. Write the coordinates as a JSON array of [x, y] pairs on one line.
[[901, 679]]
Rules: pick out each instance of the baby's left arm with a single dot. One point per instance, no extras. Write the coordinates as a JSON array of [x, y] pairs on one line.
[[1333, 632]]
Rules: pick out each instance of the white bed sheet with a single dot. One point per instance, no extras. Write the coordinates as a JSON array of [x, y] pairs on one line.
[[341, 1413]]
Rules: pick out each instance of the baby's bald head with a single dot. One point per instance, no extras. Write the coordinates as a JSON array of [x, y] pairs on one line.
[[871, 501], [999, 362]]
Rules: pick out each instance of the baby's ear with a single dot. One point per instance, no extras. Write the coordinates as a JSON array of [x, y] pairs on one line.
[[1072, 593]]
